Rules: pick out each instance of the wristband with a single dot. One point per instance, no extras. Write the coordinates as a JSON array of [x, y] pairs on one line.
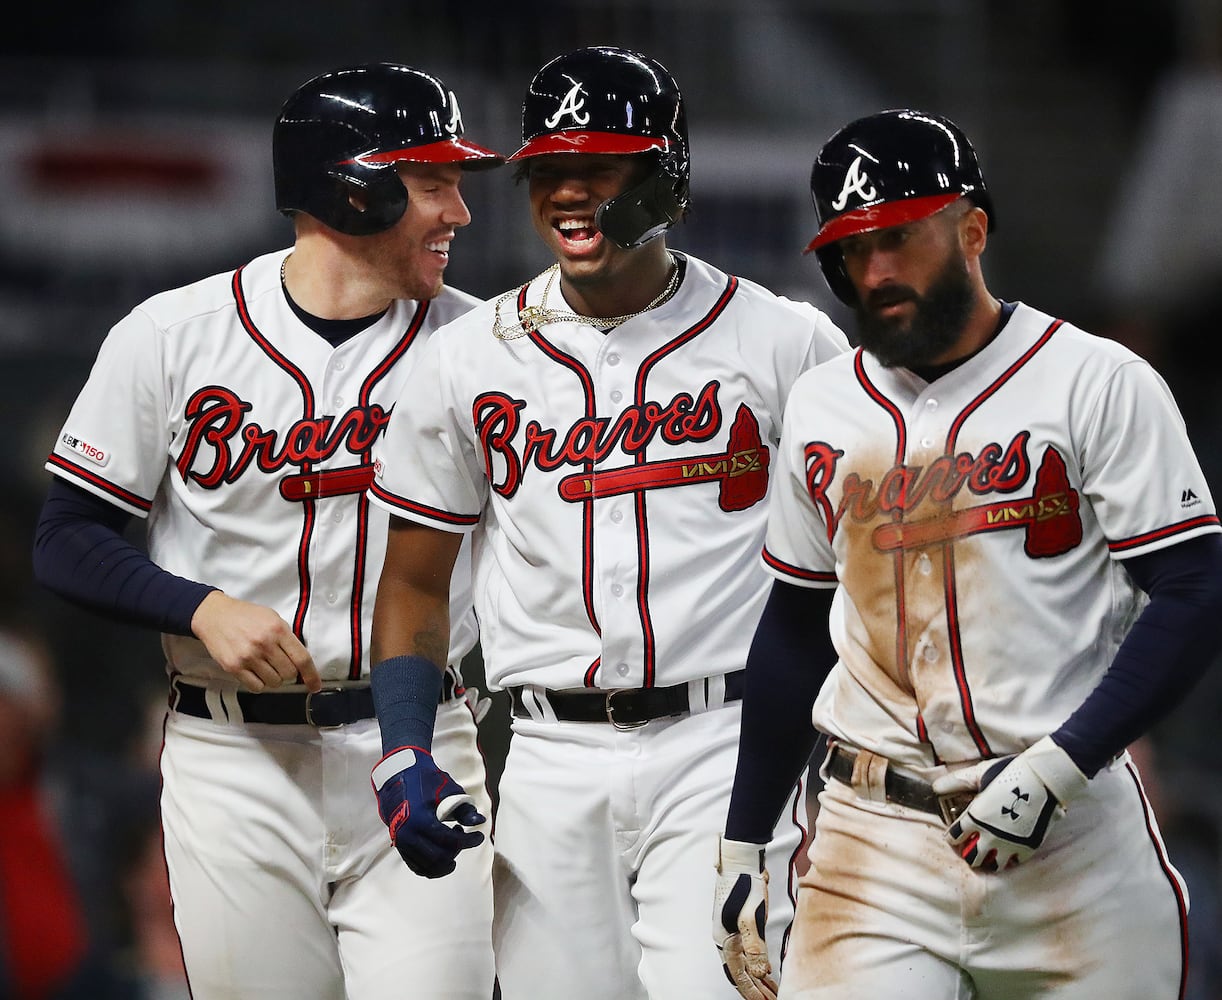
[[406, 690]]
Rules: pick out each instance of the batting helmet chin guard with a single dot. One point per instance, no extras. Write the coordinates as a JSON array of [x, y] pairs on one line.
[[605, 99], [347, 129], [885, 170]]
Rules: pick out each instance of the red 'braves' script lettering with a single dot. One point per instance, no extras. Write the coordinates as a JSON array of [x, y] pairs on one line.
[[216, 430], [995, 469], [498, 426]]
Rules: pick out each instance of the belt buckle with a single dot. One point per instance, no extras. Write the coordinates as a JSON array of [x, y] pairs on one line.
[[610, 709], [309, 707], [953, 806]]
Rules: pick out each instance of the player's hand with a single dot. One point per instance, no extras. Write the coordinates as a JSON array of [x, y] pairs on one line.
[[740, 913], [415, 798], [252, 643], [1018, 799]]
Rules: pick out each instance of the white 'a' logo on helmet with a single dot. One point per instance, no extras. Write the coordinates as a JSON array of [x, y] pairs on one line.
[[454, 125], [571, 105], [857, 182]]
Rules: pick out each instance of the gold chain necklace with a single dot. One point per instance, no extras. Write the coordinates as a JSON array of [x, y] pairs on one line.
[[530, 318]]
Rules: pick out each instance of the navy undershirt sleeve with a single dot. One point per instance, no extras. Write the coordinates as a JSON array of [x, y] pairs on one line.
[[1170, 646], [81, 554], [791, 655]]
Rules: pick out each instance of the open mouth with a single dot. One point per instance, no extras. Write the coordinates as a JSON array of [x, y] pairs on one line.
[[439, 247], [577, 235]]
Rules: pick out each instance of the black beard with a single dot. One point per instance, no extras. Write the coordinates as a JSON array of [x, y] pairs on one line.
[[938, 319]]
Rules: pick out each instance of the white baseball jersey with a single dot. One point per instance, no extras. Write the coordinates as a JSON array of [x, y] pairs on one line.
[[975, 526], [591, 467], [246, 440]]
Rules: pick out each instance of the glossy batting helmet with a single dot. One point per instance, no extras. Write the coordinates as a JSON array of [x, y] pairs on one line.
[[348, 128], [885, 170], [611, 100]]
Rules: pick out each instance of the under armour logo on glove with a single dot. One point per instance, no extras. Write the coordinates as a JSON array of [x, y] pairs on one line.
[[415, 798], [1011, 811], [1018, 799]]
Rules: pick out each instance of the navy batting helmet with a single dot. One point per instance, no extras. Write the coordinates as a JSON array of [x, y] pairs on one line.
[[605, 99], [885, 170], [348, 128]]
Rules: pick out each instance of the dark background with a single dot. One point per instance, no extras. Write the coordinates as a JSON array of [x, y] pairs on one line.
[[134, 145]]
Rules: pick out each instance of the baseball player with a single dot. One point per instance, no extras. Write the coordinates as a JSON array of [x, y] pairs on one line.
[[1021, 560], [605, 432], [238, 415]]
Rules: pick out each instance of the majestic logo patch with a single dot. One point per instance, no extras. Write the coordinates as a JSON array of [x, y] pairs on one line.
[[84, 449], [571, 105], [1189, 499], [857, 182]]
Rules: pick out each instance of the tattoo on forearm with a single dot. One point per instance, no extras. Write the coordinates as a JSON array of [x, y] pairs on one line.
[[433, 641]]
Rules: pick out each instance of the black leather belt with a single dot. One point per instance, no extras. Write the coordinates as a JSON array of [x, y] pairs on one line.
[[624, 708], [901, 789], [332, 706]]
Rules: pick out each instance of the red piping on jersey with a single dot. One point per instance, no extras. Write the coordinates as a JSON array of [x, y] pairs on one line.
[[794, 571], [587, 505], [103, 484], [590, 676], [897, 562], [423, 510], [1181, 904], [1168, 531], [796, 813], [362, 501], [639, 501], [948, 551], [308, 508]]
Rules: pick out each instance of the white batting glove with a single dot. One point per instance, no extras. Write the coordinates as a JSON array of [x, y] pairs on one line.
[[1018, 799], [740, 912]]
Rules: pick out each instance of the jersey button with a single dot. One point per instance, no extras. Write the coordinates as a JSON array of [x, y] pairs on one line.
[[930, 654], [616, 396], [924, 564], [332, 596], [617, 590], [340, 366], [621, 669], [617, 516], [926, 442], [931, 404], [613, 359]]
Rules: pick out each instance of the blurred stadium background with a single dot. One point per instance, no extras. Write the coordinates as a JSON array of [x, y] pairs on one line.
[[134, 156]]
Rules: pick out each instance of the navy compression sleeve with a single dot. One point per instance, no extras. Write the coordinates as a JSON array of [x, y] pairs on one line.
[[790, 657], [81, 554], [1169, 647]]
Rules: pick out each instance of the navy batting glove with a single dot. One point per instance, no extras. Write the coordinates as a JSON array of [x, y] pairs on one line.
[[415, 798]]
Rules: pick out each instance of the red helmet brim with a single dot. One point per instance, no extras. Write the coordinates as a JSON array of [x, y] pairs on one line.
[[607, 143], [456, 150], [881, 216]]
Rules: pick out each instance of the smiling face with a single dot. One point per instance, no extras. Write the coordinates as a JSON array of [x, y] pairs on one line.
[[566, 191], [416, 249]]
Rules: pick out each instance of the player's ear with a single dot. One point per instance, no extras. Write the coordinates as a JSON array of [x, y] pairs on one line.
[[973, 230]]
